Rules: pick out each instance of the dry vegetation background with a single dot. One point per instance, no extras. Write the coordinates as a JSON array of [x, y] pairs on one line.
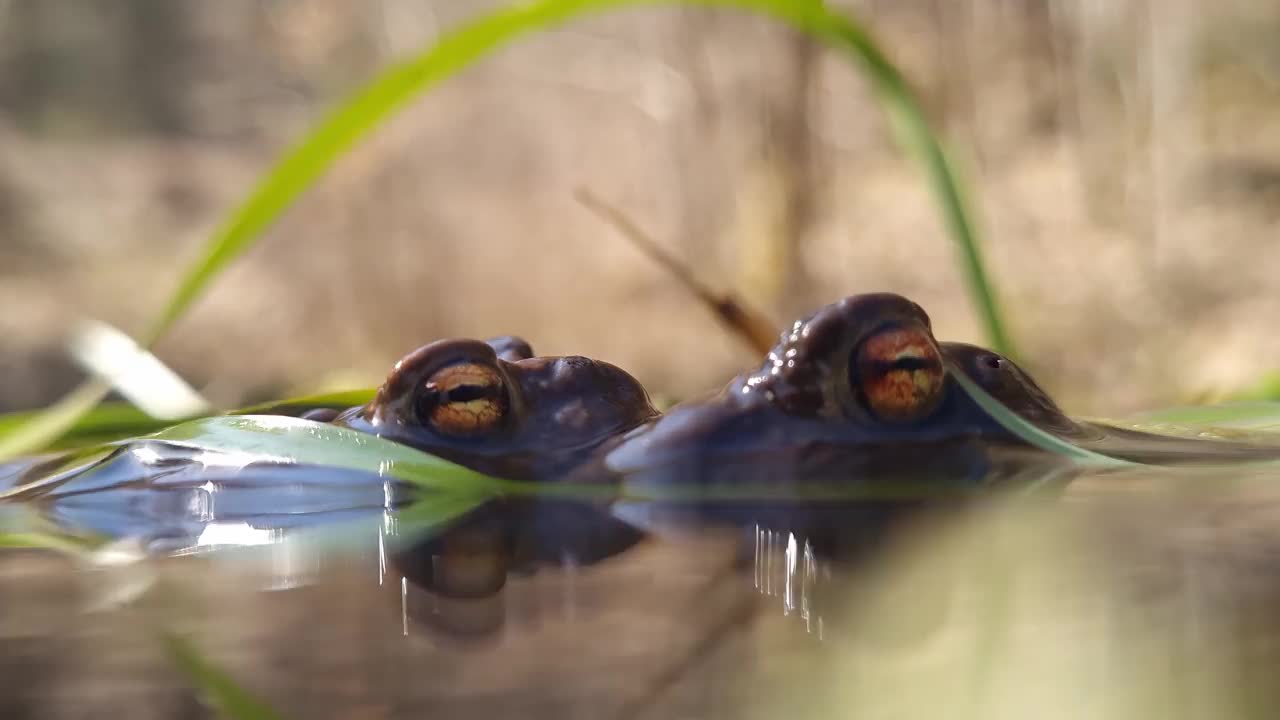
[[1124, 158]]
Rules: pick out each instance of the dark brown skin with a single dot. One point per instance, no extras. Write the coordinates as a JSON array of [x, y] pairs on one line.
[[861, 389], [858, 389], [496, 408], [1013, 387], [827, 395], [858, 394]]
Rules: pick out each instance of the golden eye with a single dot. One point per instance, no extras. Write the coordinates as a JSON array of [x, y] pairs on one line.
[[464, 400], [898, 373]]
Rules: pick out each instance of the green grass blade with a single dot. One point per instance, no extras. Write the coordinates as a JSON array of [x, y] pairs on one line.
[[294, 440], [340, 399], [917, 138], [341, 129], [399, 84], [432, 514], [44, 541], [53, 422], [1260, 414], [25, 527], [104, 423], [947, 188], [112, 421], [218, 688], [104, 416], [1030, 433]]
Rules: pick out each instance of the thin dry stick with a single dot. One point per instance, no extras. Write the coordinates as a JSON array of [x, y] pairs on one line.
[[749, 325]]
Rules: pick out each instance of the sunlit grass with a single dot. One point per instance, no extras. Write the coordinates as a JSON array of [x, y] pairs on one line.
[[294, 440], [111, 421], [401, 83]]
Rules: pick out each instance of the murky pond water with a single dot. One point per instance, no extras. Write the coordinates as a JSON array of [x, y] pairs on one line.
[[1132, 593]]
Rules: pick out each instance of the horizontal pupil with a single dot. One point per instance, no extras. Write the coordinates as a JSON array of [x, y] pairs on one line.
[[909, 364], [468, 393]]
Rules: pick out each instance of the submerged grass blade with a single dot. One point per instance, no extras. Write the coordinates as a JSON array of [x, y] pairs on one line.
[[44, 541], [1030, 433], [217, 687], [396, 86], [25, 527], [432, 513]]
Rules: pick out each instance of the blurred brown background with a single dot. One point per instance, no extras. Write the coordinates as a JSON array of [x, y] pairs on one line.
[[1124, 157]]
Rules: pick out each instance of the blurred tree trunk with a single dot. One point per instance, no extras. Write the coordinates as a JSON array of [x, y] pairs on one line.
[[92, 67], [26, 86], [155, 49]]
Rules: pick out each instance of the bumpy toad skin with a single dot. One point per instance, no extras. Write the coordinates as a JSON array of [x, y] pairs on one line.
[[859, 390], [496, 408], [1015, 388]]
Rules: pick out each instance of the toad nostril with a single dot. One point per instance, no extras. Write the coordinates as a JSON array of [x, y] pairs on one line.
[[992, 362]]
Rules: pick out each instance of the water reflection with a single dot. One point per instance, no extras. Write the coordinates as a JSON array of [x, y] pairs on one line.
[[451, 557], [682, 607], [795, 578], [455, 579], [458, 573]]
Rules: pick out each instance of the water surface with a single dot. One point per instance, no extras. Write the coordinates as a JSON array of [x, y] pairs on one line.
[[1119, 594]]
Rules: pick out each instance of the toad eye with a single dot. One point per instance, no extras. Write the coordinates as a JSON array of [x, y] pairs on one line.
[[464, 400], [898, 374]]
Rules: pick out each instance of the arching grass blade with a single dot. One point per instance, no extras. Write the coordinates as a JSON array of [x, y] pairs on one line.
[[400, 83]]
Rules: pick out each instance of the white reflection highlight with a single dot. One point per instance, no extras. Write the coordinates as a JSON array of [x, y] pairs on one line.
[[382, 552], [789, 580], [293, 563], [237, 534], [146, 455], [404, 607], [786, 567], [200, 504], [231, 460], [280, 422], [812, 622]]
